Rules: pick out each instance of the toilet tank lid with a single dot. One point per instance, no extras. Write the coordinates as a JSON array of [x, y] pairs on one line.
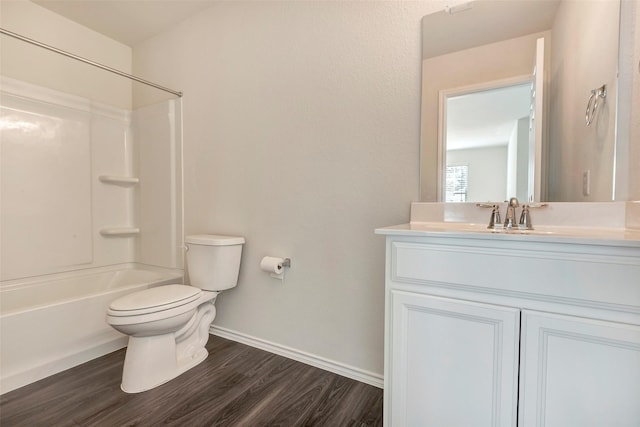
[[213, 240]]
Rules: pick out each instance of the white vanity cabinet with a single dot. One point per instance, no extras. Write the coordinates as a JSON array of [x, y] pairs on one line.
[[508, 330]]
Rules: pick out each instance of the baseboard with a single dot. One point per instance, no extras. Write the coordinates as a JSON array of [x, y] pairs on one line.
[[301, 356], [51, 367]]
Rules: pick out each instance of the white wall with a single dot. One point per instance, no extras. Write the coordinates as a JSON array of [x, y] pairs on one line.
[[633, 191], [628, 131], [487, 171], [36, 65], [518, 160], [576, 69], [301, 133], [523, 159], [158, 144], [512, 160]]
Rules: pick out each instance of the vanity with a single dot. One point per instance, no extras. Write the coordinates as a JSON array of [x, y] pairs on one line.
[[513, 328]]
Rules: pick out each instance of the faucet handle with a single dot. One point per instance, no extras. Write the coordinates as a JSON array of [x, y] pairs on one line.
[[486, 205], [525, 217], [495, 214]]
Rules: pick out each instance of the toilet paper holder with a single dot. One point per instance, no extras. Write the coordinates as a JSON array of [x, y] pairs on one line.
[[275, 266]]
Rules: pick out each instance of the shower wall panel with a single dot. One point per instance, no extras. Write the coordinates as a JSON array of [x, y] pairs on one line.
[[46, 190], [52, 205], [158, 141]]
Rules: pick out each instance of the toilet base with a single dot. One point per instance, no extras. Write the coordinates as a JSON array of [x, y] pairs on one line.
[[151, 361]]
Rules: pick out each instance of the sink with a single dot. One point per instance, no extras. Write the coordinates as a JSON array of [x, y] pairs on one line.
[[596, 223], [552, 231], [451, 227], [466, 227]]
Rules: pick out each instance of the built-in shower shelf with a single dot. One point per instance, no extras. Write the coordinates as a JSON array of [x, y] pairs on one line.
[[118, 180], [120, 231]]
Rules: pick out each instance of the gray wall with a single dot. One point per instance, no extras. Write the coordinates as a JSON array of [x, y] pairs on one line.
[[301, 133]]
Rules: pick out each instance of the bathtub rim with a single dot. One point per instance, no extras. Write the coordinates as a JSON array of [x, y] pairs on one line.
[[173, 276]]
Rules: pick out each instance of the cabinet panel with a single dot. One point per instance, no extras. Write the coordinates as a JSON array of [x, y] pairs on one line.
[[453, 363], [578, 372], [544, 274]]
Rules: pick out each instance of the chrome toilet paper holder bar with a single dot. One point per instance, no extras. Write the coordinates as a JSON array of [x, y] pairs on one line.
[[286, 262]]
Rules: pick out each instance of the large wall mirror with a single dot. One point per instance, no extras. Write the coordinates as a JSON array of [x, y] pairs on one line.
[[520, 98]]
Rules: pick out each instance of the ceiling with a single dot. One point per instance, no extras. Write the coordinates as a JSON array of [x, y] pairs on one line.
[[128, 22], [476, 23], [486, 118]]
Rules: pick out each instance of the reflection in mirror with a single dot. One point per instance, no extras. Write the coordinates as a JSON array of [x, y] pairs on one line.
[[486, 135], [488, 41]]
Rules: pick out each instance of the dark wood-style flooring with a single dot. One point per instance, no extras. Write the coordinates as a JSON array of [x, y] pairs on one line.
[[236, 385]]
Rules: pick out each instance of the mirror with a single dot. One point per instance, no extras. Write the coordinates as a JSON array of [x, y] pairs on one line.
[[556, 52], [485, 141]]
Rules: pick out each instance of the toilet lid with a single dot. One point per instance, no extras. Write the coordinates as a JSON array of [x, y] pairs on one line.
[[154, 299]]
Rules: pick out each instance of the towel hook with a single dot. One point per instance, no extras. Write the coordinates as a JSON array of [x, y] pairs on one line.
[[592, 104]]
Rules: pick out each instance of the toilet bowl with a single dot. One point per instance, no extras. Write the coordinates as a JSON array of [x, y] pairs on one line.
[[168, 326]]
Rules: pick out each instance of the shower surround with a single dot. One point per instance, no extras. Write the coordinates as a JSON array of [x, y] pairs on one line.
[[86, 189]]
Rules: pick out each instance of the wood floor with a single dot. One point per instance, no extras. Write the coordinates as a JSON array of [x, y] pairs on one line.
[[236, 386]]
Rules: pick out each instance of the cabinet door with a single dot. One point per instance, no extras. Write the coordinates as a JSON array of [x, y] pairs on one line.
[[452, 363], [578, 372]]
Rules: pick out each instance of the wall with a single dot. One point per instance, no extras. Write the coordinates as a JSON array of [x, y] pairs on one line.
[[465, 68], [576, 69], [633, 191], [158, 148], [33, 64], [52, 211], [60, 134], [523, 158], [627, 181], [487, 171], [301, 130], [518, 160]]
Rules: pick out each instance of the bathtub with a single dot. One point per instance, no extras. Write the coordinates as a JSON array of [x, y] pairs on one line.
[[49, 325]]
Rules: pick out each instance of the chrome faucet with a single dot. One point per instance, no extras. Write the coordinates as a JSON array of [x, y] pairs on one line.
[[510, 217]]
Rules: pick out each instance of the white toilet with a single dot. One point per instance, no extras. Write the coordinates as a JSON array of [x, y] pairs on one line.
[[168, 326]]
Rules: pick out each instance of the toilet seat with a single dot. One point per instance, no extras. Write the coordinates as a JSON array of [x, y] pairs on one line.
[[153, 300]]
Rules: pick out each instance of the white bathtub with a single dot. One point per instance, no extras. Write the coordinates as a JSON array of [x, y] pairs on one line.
[[47, 326]]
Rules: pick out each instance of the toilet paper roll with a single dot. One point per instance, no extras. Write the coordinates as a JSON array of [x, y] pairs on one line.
[[271, 264]]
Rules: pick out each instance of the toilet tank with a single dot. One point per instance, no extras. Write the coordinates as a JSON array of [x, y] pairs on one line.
[[213, 261]]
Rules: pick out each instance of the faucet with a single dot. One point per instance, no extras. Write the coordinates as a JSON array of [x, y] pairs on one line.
[[510, 217]]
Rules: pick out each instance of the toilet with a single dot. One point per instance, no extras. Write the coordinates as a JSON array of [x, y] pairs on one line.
[[168, 325]]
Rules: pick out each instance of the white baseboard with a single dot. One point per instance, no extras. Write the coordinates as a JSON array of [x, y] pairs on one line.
[[301, 356]]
